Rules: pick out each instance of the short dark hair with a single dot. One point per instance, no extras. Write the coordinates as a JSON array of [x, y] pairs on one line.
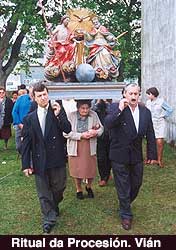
[[22, 86], [153, 90], [15, 92], [82, 102], [39, 86], [2, 88]]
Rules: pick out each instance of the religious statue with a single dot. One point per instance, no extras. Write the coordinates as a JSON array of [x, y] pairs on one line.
[[80, 23], [101, 56], [81, 39], [60, 61]]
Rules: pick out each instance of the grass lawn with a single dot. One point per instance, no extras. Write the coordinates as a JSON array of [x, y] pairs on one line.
[[154, 209]]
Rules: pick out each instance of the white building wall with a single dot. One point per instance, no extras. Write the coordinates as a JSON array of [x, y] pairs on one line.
[[13, 81], [159, 53]]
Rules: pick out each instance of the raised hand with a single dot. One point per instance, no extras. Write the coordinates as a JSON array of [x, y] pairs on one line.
[[123, 104], [56, 107]]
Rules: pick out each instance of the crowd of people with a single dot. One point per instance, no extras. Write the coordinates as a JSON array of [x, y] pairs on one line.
[[102, 133]]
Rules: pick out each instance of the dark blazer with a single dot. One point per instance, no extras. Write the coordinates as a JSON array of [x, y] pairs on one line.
[[125, 142], [48, 150], [8, 112]]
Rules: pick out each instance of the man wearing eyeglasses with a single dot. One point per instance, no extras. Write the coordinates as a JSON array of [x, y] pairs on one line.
[[129, 122]]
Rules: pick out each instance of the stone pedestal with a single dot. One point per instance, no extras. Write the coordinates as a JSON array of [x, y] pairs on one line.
[[85, 90]]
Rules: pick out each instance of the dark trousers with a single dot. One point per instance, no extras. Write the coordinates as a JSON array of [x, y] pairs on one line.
[[50, 188], [128, 180], [104, 163]]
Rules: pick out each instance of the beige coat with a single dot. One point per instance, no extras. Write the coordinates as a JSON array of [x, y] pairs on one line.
[[74, 136]]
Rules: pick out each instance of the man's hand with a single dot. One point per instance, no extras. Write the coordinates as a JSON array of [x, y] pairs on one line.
[[123, 104], [20, 125], [56, 107], [27, 172]]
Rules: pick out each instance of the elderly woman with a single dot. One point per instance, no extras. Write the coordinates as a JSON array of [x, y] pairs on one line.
[[81, 146]]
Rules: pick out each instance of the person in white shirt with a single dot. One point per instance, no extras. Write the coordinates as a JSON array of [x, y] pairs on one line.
[[129, 122], [160, 110], [43, 139]]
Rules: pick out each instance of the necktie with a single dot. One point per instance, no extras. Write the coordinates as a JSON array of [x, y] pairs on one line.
[[43, 121]]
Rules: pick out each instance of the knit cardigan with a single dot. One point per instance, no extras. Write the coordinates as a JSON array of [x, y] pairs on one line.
[[73, 137]]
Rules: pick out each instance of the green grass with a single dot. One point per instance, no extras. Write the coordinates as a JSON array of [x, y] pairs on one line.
[[154, 209]]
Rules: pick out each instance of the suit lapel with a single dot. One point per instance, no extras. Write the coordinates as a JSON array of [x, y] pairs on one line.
[[36, 124], [141, 119]]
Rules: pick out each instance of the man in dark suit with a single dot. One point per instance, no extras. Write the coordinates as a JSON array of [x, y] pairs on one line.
[[43, 139], [129, 122]]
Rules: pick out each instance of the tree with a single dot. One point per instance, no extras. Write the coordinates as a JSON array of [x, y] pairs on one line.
[[20, 21], [22, 24]]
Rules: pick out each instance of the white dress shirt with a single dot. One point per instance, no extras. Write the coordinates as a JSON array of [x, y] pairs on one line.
[[135, 115], [42, 112]]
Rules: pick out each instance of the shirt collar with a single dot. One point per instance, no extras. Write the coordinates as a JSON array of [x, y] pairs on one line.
[[40, 109], [136, 108]]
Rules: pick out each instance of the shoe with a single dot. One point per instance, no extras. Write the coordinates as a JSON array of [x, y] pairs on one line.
[[126, 224], [90, 192], [79, 195], [57, 212], [102, 183], [47, 228], [146, 161], [153, 162]]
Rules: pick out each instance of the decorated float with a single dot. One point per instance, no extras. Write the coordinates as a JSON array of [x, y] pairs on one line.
[[81, 61]]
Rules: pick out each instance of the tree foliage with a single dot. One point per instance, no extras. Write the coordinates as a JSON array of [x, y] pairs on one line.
[[22, 22]]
